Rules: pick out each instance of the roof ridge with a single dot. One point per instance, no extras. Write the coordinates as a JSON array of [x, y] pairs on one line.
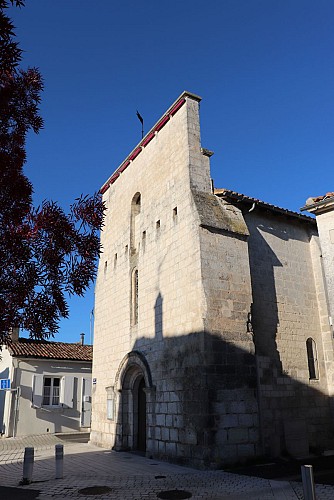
[[242, 197], [51, 342]]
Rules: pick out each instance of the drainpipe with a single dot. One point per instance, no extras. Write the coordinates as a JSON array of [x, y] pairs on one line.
[[17, 390], [252, 207], [16, 408]]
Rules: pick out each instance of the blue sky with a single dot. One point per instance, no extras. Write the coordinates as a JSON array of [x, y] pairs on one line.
[[264, 69]]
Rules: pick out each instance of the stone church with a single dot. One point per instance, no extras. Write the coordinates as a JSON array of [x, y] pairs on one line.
[[213, 338]]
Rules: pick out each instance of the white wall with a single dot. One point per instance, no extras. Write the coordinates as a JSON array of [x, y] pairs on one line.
[[34, 418], [5, 396]]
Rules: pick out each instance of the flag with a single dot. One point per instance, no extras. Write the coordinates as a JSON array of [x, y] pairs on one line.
[[140, 117]]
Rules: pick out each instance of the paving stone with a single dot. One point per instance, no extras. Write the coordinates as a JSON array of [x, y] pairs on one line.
[[133, 477]]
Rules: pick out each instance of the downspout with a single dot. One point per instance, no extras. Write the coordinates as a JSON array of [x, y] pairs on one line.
[[16, 408], [17, 396], [252, 207]]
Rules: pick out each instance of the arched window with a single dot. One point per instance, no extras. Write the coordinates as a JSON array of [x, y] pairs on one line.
[[134, 297], [312, 359], [135, 211]]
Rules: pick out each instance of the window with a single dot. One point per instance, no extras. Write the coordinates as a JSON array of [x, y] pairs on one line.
[[134, 293], [135, 211], [51, 391], [312, 359]]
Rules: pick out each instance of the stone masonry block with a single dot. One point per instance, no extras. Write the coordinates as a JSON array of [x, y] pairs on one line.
[[230, 421], [165, 434], [174, 435], [162, 447], [238, 436], [171, 449], [246, 420]]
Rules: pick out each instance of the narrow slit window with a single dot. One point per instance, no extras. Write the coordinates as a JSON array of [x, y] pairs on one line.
[[115, 260], [135, 290], [135, 211], [175, 212], [312, 359], [157, 224]]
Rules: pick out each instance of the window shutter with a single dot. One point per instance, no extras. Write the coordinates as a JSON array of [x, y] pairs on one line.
[[66, 392], [37, 391]]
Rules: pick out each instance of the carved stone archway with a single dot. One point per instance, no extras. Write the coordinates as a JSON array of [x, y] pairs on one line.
[[136, 394]]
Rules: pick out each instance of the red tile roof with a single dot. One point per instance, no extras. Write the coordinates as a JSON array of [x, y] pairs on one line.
[[238, 197], [27, 348], [322, 198]]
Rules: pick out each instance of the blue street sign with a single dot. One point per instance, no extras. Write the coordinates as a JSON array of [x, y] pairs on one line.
[[4, 383]]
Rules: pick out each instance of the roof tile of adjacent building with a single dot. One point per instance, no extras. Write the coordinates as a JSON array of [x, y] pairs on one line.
[[318, 204], [238, 197], [27, 348], [324, 197]]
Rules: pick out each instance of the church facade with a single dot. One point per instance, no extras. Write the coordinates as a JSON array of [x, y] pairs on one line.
[[212, 342]]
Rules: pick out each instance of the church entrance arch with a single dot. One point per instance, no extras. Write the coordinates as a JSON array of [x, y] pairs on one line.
[[133, 382]]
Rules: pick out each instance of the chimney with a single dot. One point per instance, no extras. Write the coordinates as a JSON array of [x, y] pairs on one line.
[[82, 337], [14, 333]]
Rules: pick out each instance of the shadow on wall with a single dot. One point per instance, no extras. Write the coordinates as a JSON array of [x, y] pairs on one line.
[[194, 399], [264, 308]]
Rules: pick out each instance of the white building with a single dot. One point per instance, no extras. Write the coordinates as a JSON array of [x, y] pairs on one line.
[[50, 387]]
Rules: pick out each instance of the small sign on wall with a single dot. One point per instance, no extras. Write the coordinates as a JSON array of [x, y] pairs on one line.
[[4, 384], [110, 403], [110, 409]]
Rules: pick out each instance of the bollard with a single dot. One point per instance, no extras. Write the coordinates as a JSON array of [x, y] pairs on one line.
[[308, 482], [28, 465], [59, 451]]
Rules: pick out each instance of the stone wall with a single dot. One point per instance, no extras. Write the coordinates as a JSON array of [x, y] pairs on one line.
[[288, 294], [325, 223], [166, 252], [229, 348], [226, 301]]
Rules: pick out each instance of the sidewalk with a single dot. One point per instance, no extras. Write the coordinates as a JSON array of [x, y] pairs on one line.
[[125, 476]]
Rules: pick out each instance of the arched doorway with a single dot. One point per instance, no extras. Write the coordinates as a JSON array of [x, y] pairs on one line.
[[134, 383]]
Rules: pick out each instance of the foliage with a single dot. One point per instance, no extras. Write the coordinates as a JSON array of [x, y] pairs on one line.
[[44, 253]]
